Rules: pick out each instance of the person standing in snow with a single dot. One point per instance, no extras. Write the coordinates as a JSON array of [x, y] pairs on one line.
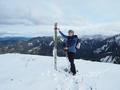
[[72, 44]]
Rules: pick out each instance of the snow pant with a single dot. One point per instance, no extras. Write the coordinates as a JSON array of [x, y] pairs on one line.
[[71, 57]]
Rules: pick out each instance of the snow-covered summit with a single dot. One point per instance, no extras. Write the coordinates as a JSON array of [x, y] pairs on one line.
[[32, 72]]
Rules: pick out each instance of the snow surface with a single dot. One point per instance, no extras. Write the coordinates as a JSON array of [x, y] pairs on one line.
[[32, 72]]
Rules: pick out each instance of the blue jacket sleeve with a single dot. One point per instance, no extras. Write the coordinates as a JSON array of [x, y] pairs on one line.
[[63, 35]]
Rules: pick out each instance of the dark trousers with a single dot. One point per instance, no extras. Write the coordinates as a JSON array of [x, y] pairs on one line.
[[71, 57]]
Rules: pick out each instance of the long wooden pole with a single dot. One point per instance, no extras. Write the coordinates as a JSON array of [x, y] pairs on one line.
[[55, 46]]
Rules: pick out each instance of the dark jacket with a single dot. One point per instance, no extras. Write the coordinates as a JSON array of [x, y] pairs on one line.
[[71, 42]]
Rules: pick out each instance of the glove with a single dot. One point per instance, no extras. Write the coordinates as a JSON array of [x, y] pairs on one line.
[[66, 49]]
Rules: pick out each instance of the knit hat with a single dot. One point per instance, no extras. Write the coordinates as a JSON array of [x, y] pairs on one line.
[[70, 31]]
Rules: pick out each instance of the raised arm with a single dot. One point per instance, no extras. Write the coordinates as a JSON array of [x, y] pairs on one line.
[[63, 35]]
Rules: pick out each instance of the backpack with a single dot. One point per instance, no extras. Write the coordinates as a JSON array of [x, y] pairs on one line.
[[78, 44]]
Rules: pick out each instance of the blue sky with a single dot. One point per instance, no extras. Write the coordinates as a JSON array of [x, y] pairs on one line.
[[79, 13]]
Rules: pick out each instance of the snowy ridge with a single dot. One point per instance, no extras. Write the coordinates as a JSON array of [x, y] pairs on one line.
[[110, 51], [32, 72]]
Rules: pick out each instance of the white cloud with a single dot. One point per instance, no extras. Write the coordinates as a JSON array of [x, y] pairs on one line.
[[36, 17], [36, 12], [48, 30]]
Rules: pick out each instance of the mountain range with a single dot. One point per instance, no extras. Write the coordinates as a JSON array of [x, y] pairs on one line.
[[95, 48]]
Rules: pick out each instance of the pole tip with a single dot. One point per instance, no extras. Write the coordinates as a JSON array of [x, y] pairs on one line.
[[56, 25]]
